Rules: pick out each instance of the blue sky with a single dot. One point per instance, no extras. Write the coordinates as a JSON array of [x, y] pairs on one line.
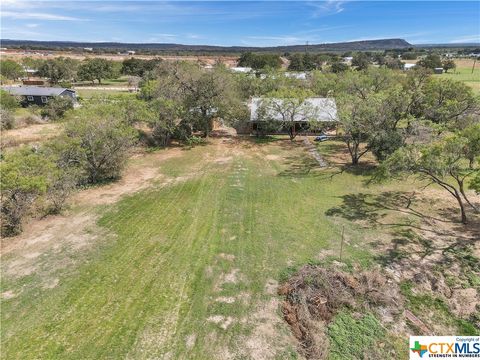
[[252, 23]]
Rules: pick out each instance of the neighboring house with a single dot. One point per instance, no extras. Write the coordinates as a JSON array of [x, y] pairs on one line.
[[29, 71], [313, 109], [296, 75], [240, 69], [408, 66], [38, 95]]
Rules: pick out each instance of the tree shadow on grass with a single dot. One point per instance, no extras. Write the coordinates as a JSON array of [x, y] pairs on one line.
[[373, 207], [416, 235], [300, 166]]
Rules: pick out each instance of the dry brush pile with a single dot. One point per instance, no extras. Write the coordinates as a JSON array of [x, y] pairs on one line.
[[314, 295]]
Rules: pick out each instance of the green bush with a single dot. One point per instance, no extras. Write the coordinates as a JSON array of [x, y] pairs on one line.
[[99, 138], [7, 101], [7, 120], [25, 176], [56, 108]]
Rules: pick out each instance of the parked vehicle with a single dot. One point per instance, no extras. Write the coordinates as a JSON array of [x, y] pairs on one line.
[[322, 137]]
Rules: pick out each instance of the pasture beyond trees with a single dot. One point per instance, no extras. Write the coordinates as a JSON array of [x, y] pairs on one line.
[[188, 268]]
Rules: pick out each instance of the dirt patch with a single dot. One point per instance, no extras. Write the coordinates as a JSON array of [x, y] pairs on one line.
[[190, 341], [223, 321], [464, 302], [223, 160], [136, 177], [31, 134], [271, 287], [229, 257], [8, 295], [268, 337], [225, 299], [315, 295], [55, 234], [273, 157], [51, 284]]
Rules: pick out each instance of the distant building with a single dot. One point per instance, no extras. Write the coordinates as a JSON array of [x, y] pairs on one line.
[[241, 69], [296, 75], [408, 66], [438, 70], [131, 52], [88, 49], [29, 71], [37, 95], [33, 81], [347, 59]]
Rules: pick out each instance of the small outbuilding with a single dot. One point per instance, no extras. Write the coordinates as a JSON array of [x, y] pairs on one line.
[[438, 70], [39, 95], [296, 75], [241, 69]]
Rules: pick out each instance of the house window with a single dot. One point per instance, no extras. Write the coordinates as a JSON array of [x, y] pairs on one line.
[[30, 98], [44, 99]]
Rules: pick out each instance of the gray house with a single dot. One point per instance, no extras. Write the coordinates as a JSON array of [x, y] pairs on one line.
[[39, 95]]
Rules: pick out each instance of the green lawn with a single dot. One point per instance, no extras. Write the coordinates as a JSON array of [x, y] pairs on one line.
[[183, 269], [464, 73]]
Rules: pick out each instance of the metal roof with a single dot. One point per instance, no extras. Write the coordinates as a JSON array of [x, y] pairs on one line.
[[34, 90], [324, 109], [241, 69]]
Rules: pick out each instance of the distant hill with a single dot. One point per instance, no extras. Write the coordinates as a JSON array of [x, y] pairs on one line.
[[452, 45], [384, 44]]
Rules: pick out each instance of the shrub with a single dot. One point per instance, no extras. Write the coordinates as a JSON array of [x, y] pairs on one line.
[[60, 188], [24, 178], [385, 144], [99, 138], [195, 140], [7, 101], [7, 120], [56, 108], [338, 67]]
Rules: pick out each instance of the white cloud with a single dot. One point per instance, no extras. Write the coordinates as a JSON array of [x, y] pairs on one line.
[[37, 16], [328, 7], [466, 39], [31, 25]]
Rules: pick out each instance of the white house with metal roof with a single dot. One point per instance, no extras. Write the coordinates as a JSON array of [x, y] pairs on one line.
[[313, 109]]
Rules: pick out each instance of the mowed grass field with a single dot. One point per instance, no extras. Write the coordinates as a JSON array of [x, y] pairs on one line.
[[464, 73], [188, 268]]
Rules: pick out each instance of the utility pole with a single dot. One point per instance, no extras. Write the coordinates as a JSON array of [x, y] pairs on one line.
[[341, 244]]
